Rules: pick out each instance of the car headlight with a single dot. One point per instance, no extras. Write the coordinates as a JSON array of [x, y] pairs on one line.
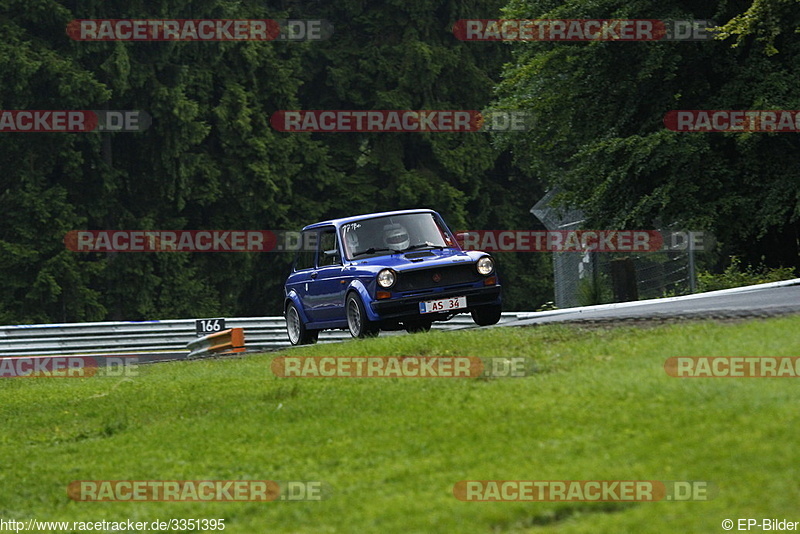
[[386, 278], [485, 265]]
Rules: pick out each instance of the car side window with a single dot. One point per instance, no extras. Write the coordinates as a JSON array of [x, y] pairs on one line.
[[329, 248], [307, 253]]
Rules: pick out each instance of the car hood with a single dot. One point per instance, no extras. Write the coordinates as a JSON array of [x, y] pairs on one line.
[[421, 259]]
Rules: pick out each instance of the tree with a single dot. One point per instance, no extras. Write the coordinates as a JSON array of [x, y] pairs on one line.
[[210, 160], [600, 136]]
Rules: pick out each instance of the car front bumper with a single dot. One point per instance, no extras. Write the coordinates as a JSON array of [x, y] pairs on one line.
[[406, 307]]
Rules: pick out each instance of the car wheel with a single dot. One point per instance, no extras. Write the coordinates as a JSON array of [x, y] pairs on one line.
[[298, 333], [487, 315], [419, 325], [357, 321]]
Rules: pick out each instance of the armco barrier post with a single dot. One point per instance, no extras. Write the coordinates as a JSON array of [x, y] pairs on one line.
[[227, 341]]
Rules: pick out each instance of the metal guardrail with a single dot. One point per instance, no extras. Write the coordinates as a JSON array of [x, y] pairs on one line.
[[168, 337], [225, 341]]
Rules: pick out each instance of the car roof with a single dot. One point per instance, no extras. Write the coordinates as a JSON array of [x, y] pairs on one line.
[[339, 222]]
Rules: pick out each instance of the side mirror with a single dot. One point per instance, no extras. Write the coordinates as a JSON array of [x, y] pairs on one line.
[[332, 257]]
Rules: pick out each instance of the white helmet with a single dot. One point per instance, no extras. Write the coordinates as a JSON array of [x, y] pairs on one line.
[[395, 237], [352, 242]]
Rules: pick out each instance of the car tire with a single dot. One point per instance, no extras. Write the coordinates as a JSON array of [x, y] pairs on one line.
[[357, 322], [487, 315], [297, 331], [418, 326]]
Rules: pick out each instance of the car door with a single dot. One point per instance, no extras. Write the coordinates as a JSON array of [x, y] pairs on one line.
[[304, 269], [329, 280]]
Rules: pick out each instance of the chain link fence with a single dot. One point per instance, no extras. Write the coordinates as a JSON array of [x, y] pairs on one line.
[[587, 278]]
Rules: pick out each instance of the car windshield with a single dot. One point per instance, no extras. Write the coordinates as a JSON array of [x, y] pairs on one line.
[[397, 233]]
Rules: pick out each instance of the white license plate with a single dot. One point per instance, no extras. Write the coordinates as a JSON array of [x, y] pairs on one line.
[[433, 306]]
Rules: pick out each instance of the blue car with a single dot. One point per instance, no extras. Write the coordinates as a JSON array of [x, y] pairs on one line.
[[386, 271]]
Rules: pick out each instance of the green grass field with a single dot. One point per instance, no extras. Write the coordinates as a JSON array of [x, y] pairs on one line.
[[390, 450]]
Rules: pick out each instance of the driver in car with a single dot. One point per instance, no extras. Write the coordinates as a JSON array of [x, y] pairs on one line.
[[396, 237], [351, 239]]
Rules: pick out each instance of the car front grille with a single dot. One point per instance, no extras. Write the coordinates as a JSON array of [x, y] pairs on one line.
[[447, 276]]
